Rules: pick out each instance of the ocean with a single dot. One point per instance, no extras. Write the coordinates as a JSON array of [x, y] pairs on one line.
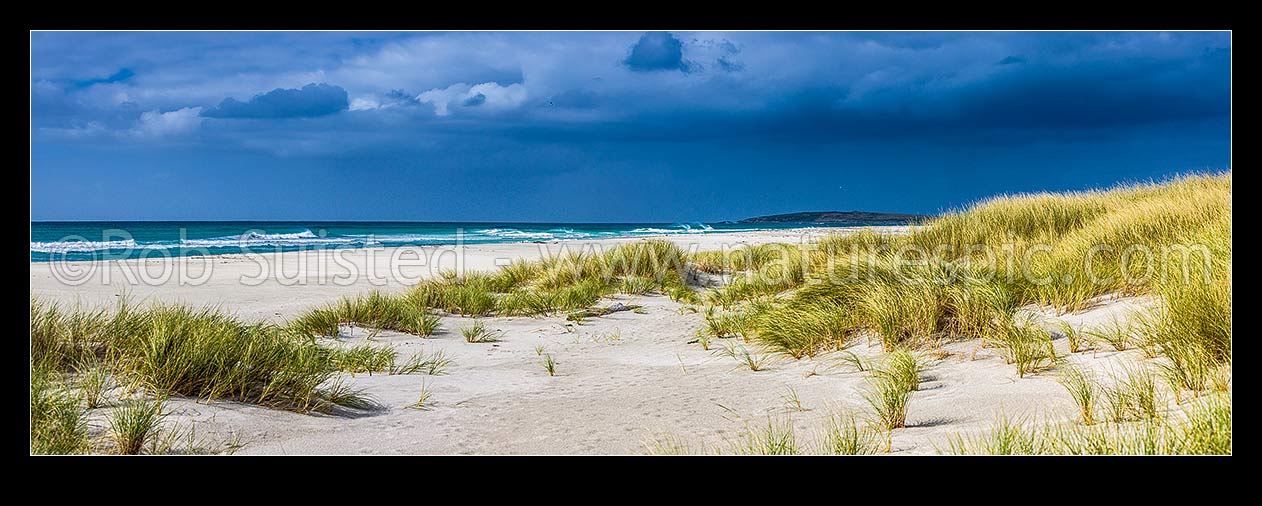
[[97, 240]]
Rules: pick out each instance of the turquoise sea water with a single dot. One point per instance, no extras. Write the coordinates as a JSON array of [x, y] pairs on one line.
[[84, 240]]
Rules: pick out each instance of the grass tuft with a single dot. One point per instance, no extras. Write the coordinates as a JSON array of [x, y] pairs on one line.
[[756, 360], [134, 424], [1116, 334], [904, 369], [94, 380], [432, 364], [423, 399], [1026, 346], [374, 311], [1083, 389], [181, 350], [844, 436], [478, 333], [776, 437], [58, 425], [364, 358], [549, 364], [1203, 429], [888, 398]]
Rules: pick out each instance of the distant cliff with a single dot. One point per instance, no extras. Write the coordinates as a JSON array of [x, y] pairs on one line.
[[855, 217]]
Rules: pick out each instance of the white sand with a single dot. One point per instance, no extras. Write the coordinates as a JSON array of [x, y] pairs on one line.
[[609, 395], [277, 285]]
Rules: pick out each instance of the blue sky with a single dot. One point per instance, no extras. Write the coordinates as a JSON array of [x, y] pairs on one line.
[[607, 126]]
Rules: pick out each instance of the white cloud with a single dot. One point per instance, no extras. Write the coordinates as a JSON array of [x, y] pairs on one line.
[[86, 130], [485, 95], [162, 124], [499, 97], [364, 104]]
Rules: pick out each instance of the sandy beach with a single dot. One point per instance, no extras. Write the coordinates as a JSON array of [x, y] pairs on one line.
[[622, 382], [631, 242], [274, 286]]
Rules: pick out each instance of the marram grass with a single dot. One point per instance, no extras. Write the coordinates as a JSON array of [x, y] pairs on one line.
[[375, 311], [1083, 389], [1203, 428], [961, 275], [364, 358], [838, 434], [888, 398], [134, 424], [181, 350], [58, 425], [965, 273]]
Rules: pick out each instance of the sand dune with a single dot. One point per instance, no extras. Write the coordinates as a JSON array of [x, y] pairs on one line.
[[623, 380]]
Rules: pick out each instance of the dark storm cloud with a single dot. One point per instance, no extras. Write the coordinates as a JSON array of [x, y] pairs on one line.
[[729, 65], [310, 101], [657, 51], [678, 109], [123, 74]]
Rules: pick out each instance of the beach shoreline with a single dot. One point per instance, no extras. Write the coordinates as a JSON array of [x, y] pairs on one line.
[[630, 382], [274, 286]]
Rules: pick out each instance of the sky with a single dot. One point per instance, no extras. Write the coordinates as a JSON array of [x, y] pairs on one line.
[[607, 126]]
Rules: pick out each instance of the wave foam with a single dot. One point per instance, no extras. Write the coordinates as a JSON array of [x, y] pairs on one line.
[[81, 246], [257, 239], [513, 233]]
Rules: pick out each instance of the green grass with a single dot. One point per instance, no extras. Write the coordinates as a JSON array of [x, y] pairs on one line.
[[561, 283], [1201, 429], [964, 274], [62, 339], [58, 425], [851, 359], [432, 364], [549, 364], [1116, 334], [683, 294], [479, 333], [703, 339], [843, 435], [374, 311], [364, 358], [134, 424], [903, 314], [1075, 338], [725, 324], [903, 369], [673, 445], [638, 285], [776, 437], [613, 336], [888, 399], [1005, 437], [755, 360], [792, 402], [93, 381], [181, 350], [1026, 346], [1083, 389], [423, 398], [960, 276], [839, 434], [801, 331], [1133, 395]]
